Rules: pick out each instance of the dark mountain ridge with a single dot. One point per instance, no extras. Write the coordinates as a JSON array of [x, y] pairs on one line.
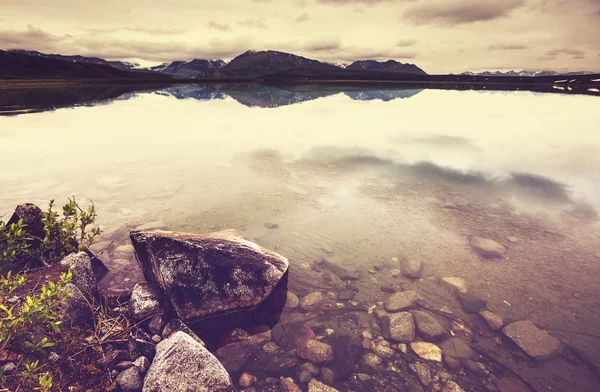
[[386, 66]]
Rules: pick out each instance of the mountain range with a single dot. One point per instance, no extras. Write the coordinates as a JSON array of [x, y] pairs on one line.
[[526, 73]]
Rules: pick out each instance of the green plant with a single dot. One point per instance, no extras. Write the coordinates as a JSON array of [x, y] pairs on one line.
[[13, 244], [68, 233], [8, 283], [45, 382]]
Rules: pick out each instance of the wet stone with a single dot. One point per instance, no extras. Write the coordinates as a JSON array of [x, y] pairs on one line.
[[388, 289], [427, 351], [427, 326], [456, 348], [451, 362], [316, 386], [311, 301], [310, 368], [412, 268], [395, 272], [414, 388], [535, 342], [315, 351], [513, 239], [304, 376], [327, 376], [382, 350], [246, 380], [399, 327], [401, 301], [451, 386], [345, 295], [487, 248], [455, 283], [292, 301], [494, 321], [288, 385], [474, 367], [471, 303], [510, 384], [422, 371], [371, 360]]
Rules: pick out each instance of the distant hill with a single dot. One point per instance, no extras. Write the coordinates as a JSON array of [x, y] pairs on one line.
[[526, 73], [22, 65], [253, 64], [122, 65], [196, 68], [386, 66]]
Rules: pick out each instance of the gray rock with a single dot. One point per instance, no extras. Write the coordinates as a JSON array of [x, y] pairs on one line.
[[145, 301], [143, 364], [235, 355], [75, 309], [292, 300], [303, 376], [471, 303], [451, 386], [422, 371], [369, 362], [83, 275], [181, 363], [487, 248], [315, 351], [494, 321], [399, 327], [401, 301], [176, 325], [311, 301], [412, 268], [130, 380], [327, 376], [156, 324], [456, 348], [316, 386], [428, 326], [535, 342], [382, 349], [345, 295], [8, 368], [288, 385], [311, 368], [204, 275]]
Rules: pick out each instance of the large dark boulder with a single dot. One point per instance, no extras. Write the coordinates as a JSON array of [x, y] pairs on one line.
[[32, 216], [210, 275]]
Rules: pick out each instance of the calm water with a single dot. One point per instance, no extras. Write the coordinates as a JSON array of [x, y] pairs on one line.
[[359, 177]]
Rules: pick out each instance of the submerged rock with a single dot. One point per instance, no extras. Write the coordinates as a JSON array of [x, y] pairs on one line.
[[292, 301], [422, 371], [456, 348], [316, 386], [311, 301], [399, 327], [493, 320], [428, 327], [471, 303], [288, 385], [234, 355], [487, 248], [182, 363], [401, 301], [428, 351], [315, 351], [451, 386], [455, 283], [208, 275], [412, 268], [535, 342]]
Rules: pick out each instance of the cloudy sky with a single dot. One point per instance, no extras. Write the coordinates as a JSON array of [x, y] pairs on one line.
[[441, 36]]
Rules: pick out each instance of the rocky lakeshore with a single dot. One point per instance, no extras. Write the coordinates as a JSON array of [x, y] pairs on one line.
[[218, 312]]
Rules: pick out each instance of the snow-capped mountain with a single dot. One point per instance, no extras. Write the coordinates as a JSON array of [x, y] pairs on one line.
[[196, 68], [525, 73]]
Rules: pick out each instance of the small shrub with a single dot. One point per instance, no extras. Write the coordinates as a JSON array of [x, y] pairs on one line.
[[13, 244]]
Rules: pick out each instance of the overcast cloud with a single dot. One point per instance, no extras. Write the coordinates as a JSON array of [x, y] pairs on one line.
[[441, 36]]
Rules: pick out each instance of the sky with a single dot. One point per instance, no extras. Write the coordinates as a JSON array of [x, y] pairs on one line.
[[440, 36]]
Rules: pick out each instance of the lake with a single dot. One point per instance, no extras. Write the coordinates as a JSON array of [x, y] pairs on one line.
[[361, 177]]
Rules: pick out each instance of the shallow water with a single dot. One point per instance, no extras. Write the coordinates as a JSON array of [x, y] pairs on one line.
[[358, 177]]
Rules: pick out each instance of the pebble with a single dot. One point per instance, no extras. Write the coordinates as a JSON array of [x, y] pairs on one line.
[[456, 348], [455, 283], [142, 364], [327, 376], [412, 268], [269, 348], [310, 368], [382, 349], [513, 239], [474, 367], [399, 327], [422, 371], [535, 342], [311, 301], [247, 379], [8, 368], [471, 303], [292, 301], [494, 321], [487, 248], [270, 225], [130, 380], [401, 301], [287, 385], [315, 351], [395, 272], [403, 348], [303, 376], [427, 351], [451, 386], [427, 326], [327, 249], [451, 362], [316, 386], [345, 295], [372, 360]]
